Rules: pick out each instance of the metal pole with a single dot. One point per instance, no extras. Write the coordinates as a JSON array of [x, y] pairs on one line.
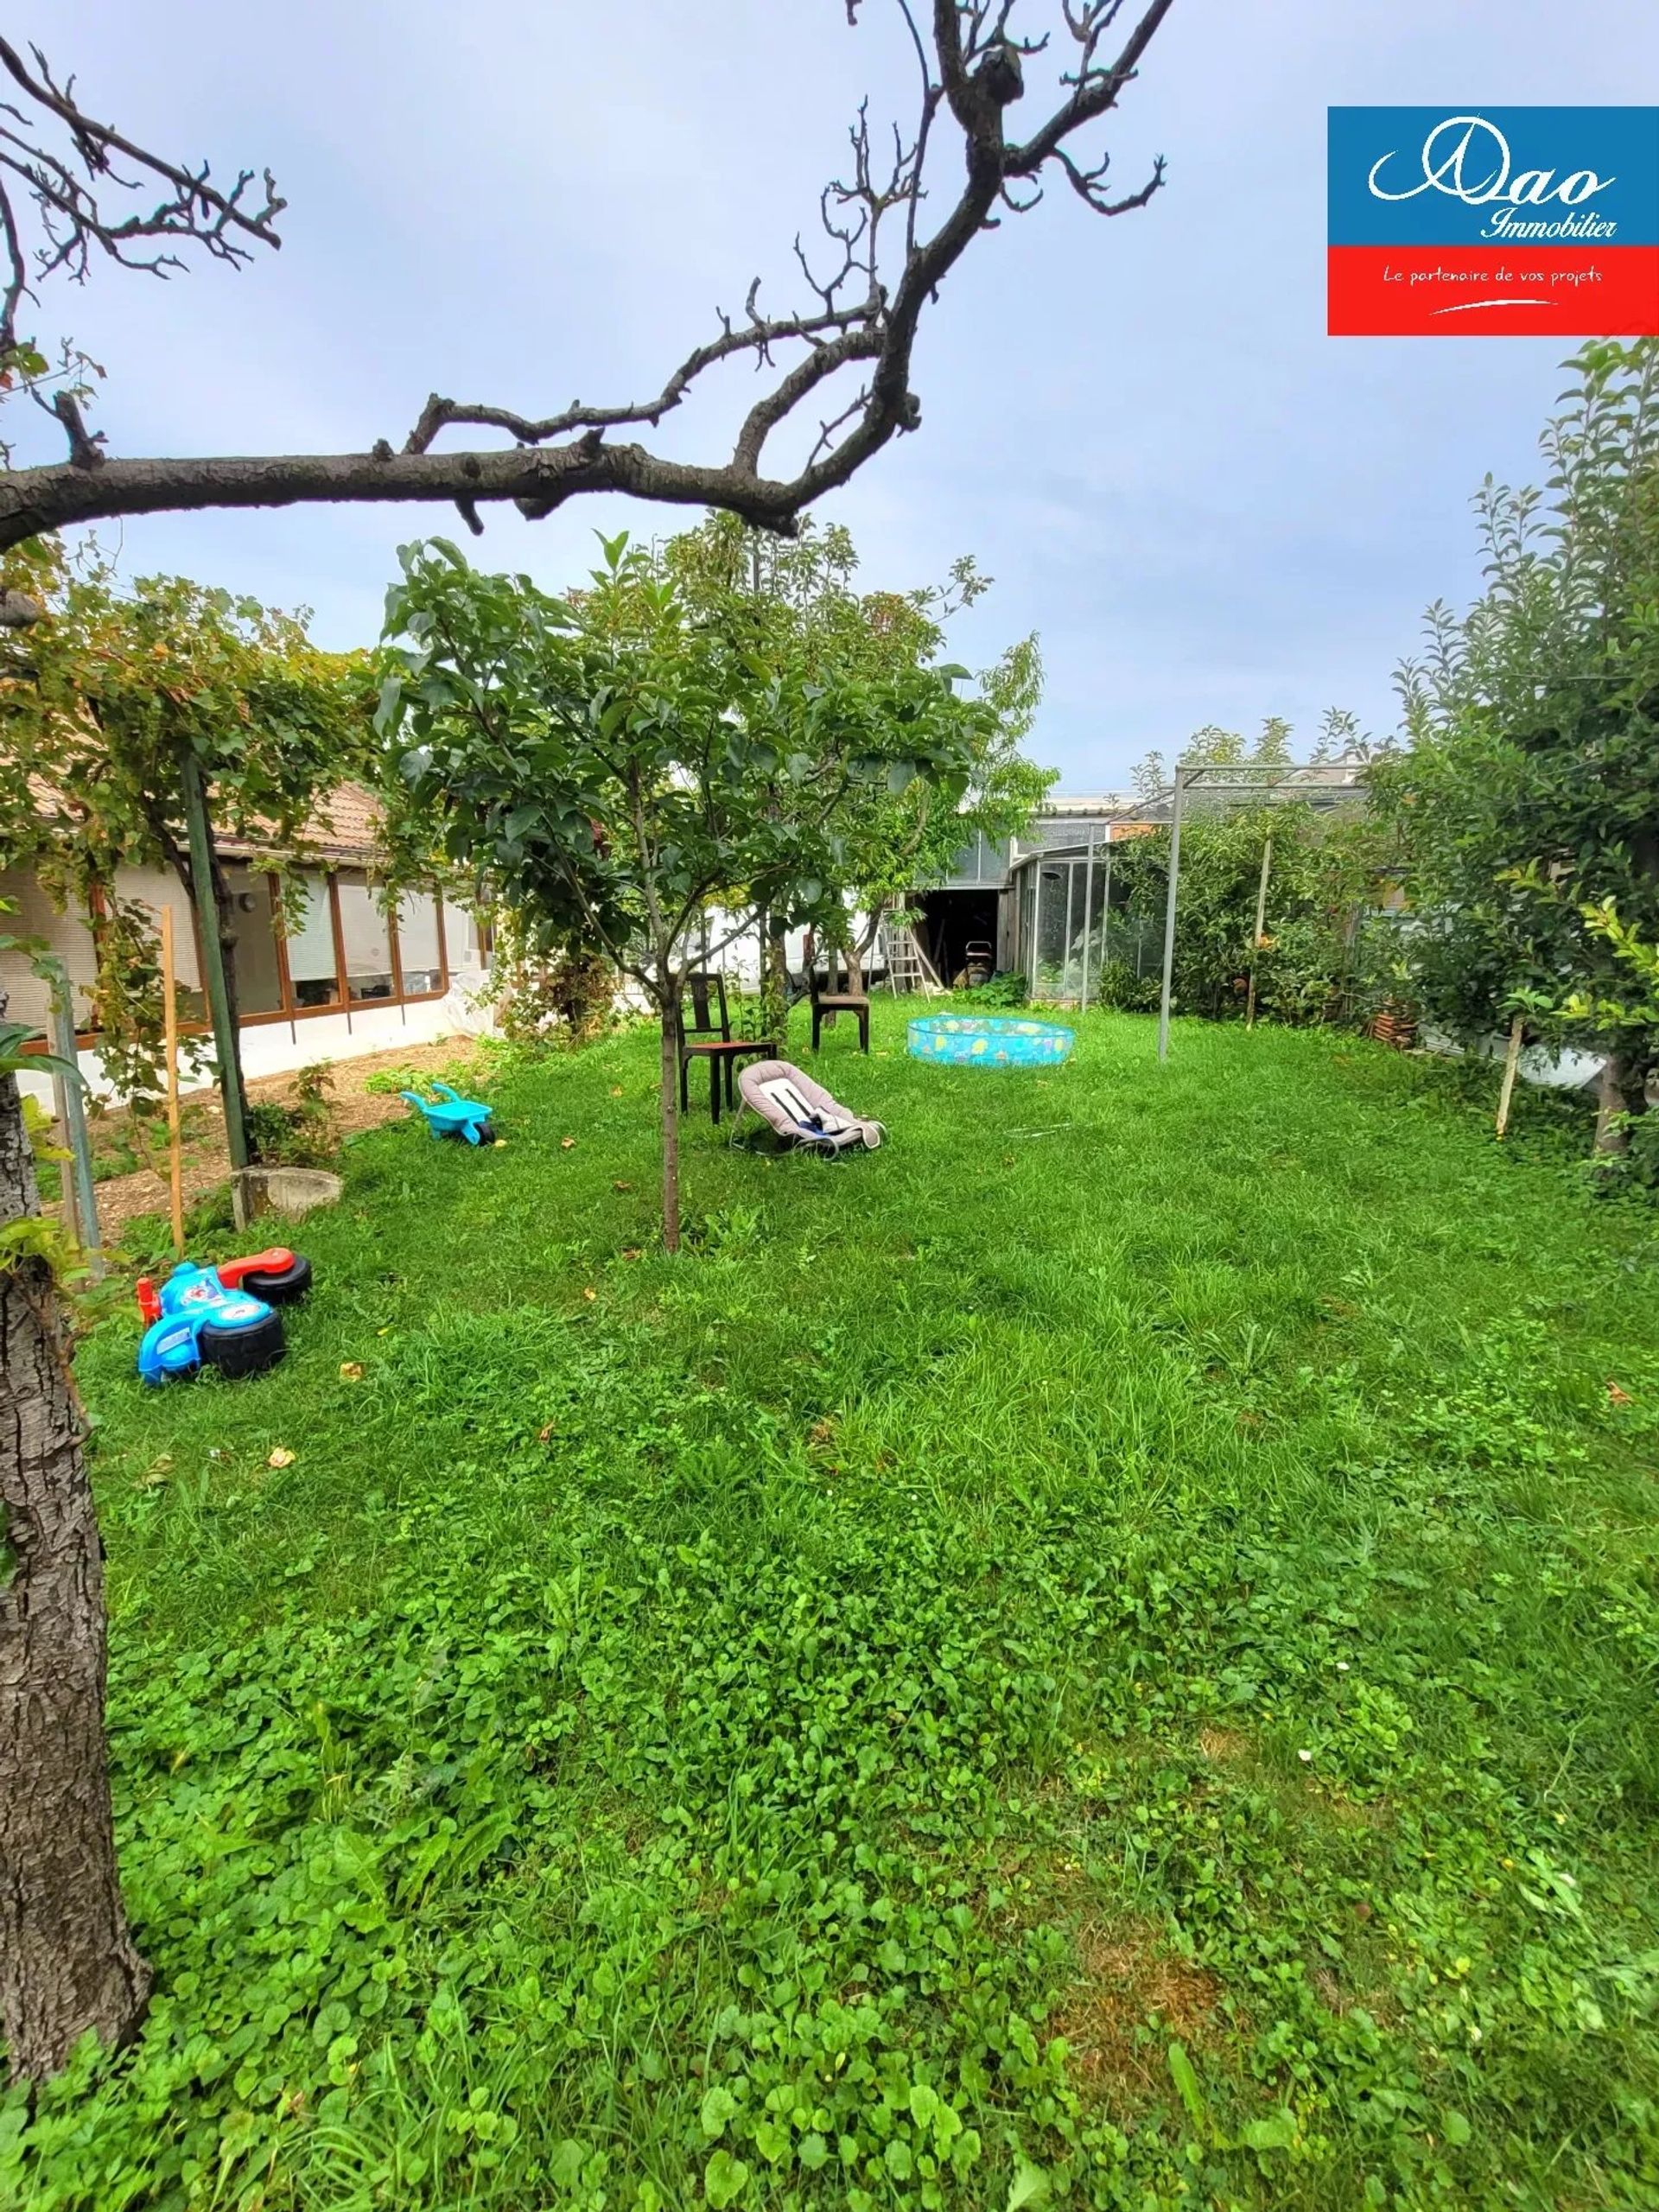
[[1088, 903], [69, 1210], [1261, 920], [1106, 902], [1169, 915], [212, 955], [1036, 922], [74, 1116], [1067, 943]]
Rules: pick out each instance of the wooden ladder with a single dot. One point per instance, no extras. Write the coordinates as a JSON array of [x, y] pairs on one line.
[[908, 968]]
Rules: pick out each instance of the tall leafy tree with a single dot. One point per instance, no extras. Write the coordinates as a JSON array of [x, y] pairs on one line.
[[1212, 747], [1530, 795], [616, 763], [802, 596]]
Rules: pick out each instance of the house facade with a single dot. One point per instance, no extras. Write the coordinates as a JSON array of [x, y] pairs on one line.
[[323, 972]]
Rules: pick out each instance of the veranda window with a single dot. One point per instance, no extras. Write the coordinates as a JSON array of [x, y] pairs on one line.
[[420, 945], [313, 961], [365, 941]]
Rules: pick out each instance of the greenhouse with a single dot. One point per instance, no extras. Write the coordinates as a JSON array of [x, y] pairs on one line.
[[1064, 931]]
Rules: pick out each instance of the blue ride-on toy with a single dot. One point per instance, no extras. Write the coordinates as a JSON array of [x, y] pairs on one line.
[[452, 1116], [224, 1317]]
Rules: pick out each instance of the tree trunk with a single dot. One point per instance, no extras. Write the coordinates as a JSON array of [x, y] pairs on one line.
[[209, 892], [873, 928], [67, 1962], [774, 984], [220, 914], [672, 1019], [1621, 1089]]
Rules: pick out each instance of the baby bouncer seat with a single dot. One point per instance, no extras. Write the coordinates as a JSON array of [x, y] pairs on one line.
[[802, 1111]]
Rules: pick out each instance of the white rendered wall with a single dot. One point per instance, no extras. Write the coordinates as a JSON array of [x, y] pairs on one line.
[[279, 1047]]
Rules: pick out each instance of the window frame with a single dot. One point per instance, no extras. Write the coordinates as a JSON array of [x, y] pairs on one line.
[[341, 1003]]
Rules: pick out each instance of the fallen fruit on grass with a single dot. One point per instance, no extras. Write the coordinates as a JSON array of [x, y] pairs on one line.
[[590, 1295], [281, 1457], [351, 1370], [565, 1143], [621, 1186]]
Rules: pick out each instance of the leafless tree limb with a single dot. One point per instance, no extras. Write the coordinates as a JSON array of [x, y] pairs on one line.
[[885, 266], [825, 442], [69, 191], [86, 448]]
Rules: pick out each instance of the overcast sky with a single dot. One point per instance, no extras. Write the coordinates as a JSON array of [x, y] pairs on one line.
[[1209, 511]]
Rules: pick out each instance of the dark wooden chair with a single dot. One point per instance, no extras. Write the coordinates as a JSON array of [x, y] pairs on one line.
[[829, 998], [707, 1036]]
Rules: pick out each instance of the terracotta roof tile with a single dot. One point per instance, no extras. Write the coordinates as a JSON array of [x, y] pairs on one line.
[[344, 827]]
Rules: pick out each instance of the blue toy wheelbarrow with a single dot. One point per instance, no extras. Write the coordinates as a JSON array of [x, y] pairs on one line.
[[451, 1115]]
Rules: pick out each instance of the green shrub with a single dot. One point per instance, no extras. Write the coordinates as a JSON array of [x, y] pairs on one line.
[[1008, 986], [300, 1136]]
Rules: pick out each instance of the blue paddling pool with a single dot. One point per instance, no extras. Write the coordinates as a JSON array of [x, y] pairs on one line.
[[960, 1040]]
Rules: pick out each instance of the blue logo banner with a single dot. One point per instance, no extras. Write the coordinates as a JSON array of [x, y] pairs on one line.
[[1494, 176], [1470, 222]]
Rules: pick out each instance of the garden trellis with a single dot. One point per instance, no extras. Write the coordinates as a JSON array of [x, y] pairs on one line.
[[1315, 783]]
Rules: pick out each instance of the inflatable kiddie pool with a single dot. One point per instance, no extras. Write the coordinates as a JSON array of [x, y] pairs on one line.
[[963, 1041]]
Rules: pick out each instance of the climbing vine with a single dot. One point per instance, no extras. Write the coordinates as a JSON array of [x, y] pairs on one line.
[[109, 703]]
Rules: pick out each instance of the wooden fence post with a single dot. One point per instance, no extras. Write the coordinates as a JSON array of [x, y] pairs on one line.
[[1261, 922], [1511, 1061]]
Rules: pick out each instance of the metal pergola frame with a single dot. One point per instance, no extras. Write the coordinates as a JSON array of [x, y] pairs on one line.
[[1266, 782]]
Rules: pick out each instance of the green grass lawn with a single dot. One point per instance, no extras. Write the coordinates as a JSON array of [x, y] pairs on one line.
[[1102, 1655]]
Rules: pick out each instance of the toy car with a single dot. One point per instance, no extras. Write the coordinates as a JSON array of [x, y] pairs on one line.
[[224, 1316], [451, 1115]]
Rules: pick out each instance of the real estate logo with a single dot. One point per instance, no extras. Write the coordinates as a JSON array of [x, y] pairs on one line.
[[1460, 222]]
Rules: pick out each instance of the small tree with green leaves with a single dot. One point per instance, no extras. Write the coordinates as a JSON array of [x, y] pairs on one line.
[[619, 765], [1528, 802], [114, 704], [799, 595]]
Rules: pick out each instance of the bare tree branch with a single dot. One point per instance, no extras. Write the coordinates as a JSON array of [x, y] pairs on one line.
[[884, 269], [72, 214], [85, 450]]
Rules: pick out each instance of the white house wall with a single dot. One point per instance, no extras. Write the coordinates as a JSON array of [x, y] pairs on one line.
[[269, 1048], [34, 915]]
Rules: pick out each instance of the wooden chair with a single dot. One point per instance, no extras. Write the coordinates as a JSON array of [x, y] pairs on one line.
[[833, 1000], [707, 1036]]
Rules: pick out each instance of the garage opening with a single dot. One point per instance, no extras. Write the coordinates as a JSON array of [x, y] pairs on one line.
[[953, 921]]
